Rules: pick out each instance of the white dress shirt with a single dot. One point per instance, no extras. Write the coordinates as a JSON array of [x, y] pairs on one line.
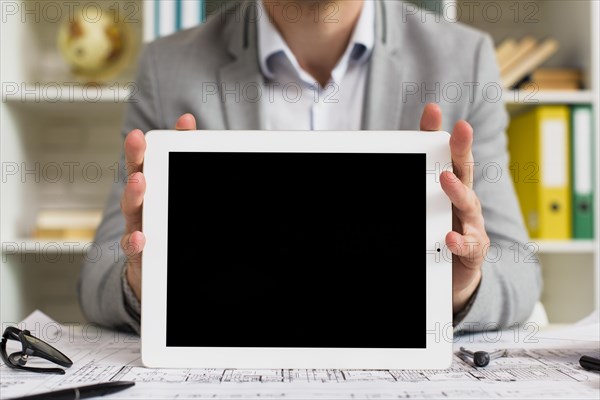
[[294, 100]]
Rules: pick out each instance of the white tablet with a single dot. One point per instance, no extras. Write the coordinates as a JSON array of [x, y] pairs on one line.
[[296, 250]]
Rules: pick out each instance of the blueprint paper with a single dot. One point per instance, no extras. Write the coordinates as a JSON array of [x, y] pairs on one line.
[[539, 365]]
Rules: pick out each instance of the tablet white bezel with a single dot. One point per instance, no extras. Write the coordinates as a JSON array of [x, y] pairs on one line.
[[155, 353]]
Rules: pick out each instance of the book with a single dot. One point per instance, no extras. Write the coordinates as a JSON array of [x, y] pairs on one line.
[[192, 13], [504, 51], [539, 150], [166, 17], [150, 29], [540, 54], [556, 74], [550, 85], [583, 148], [520, 52], [66, 224], [553, 79]]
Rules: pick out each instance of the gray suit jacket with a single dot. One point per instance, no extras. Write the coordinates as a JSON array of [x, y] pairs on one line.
[[413, 63]]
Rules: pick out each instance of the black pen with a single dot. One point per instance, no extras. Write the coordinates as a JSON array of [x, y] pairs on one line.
[[81, 392], [590, 363]]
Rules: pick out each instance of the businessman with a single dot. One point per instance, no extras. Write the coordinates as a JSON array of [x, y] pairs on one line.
[[384, 68]]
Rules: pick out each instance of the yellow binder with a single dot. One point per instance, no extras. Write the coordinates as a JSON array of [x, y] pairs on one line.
[[539, 146]]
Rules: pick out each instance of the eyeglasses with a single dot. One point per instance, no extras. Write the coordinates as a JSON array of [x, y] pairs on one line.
[[32, 347]]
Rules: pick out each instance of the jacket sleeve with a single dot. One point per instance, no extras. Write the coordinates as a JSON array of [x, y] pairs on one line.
[[511, 279], [101, 285]]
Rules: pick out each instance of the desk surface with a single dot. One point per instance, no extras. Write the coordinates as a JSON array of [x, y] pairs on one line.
[[541, 364]]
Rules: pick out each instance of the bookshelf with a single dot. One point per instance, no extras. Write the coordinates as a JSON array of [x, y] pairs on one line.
[[570, 268], [47, 119]]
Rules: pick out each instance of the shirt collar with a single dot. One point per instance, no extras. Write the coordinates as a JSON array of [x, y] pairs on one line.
[[360, 47]]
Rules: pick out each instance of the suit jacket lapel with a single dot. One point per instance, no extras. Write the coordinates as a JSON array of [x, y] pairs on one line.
[[240, 81], [383, 104]]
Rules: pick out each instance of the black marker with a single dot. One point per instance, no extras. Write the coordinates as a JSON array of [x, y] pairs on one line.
[[483, 358]]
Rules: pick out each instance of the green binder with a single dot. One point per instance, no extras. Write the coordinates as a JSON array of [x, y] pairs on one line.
[[583, 171]]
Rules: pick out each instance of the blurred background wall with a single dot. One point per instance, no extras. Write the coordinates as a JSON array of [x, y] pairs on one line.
[[67, 74]]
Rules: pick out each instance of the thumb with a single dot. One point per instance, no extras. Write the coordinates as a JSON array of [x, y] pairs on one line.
[[186, 122], [431, 119]]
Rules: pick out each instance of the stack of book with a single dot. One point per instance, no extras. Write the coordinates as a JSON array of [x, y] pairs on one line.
[[519, 59], [67, 224], [164, 17], [553, 79], [552, 152]]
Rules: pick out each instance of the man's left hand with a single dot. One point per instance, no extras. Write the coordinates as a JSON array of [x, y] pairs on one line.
[[468, 240]]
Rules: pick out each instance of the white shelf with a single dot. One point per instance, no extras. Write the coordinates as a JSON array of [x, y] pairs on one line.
[[73, 102], [68, 93], [567, 246], [28, 245], [525, 97]]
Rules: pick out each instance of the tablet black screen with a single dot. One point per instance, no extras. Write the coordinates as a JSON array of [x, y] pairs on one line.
[[296, 250]]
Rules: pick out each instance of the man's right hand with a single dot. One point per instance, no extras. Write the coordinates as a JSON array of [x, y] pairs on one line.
[[133, 239]]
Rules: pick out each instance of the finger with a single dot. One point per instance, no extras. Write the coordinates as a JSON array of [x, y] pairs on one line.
[[131, 201], [186, 122], [455, 242], [135, 147], [133, 244], [468, 248], [462, 197], [431, 119], [461, 143]]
